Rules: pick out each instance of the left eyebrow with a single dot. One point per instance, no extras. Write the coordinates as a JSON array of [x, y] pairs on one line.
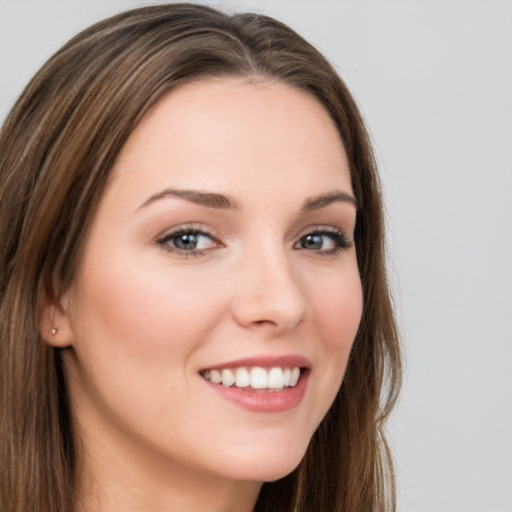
[[317, 202]]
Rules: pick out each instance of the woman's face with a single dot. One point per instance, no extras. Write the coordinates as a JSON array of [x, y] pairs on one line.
[[222, 248]]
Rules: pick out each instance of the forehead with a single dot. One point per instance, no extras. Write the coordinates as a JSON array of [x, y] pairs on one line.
[[228, 133]]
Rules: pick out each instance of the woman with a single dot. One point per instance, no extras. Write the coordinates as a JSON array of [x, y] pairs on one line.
[[194, 309]]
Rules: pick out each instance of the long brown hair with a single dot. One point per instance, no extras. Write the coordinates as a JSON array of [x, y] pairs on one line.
[[57, 148]]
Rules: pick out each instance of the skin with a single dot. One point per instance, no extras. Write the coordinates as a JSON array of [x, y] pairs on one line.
[[142, 319]]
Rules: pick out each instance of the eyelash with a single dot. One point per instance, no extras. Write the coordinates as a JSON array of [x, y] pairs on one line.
[[164, 241], [340, 240]]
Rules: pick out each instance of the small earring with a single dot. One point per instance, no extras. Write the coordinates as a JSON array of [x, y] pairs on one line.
[[54, 331]]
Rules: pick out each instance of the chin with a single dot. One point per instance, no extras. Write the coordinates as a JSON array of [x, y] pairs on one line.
[[268, 467]]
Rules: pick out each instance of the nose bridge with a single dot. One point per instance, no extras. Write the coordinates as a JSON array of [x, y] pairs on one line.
[[270, 292]]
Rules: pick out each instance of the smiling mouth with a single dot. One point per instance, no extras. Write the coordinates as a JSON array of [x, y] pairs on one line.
[[256, 378]]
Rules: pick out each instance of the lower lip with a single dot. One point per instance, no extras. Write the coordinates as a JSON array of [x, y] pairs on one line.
[[264, 401]]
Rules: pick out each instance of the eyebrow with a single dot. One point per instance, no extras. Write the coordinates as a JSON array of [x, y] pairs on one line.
[[317, 202], [208, 199], [225, 202]]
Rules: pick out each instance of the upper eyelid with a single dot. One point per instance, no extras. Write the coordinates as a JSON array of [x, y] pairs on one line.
[[177, 233], [326, 232], [188, 228], [323, 228]]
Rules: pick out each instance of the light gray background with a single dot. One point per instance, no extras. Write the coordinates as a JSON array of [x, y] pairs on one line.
[[434, 80]]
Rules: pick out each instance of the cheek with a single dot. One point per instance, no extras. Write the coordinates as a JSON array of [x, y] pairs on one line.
[[137, 328], [337, 312], [151, 312], [338, 308]]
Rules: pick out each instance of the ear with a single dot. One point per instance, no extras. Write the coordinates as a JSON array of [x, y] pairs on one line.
[[54, 318]]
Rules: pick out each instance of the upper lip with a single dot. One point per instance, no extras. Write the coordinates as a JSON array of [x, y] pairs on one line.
[[265, 361]]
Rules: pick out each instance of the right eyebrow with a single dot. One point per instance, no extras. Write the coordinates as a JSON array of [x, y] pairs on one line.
[[208, 199]]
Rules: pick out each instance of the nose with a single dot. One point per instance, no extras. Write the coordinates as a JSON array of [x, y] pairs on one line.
[[268, 294]]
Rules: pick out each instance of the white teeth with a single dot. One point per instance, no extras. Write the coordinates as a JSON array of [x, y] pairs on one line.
[[215, 377], [275, 378], [256, 378], [243, 379], [294, 377], [228, 378]]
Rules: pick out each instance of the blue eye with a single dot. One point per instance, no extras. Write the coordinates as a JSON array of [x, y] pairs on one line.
[[188, 242], [323, 241]]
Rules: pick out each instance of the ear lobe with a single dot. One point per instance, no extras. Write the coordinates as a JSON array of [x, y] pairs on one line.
[[54, 324]]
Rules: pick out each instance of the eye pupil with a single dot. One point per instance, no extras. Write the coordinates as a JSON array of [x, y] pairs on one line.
[[186, 241], [312, 242]]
